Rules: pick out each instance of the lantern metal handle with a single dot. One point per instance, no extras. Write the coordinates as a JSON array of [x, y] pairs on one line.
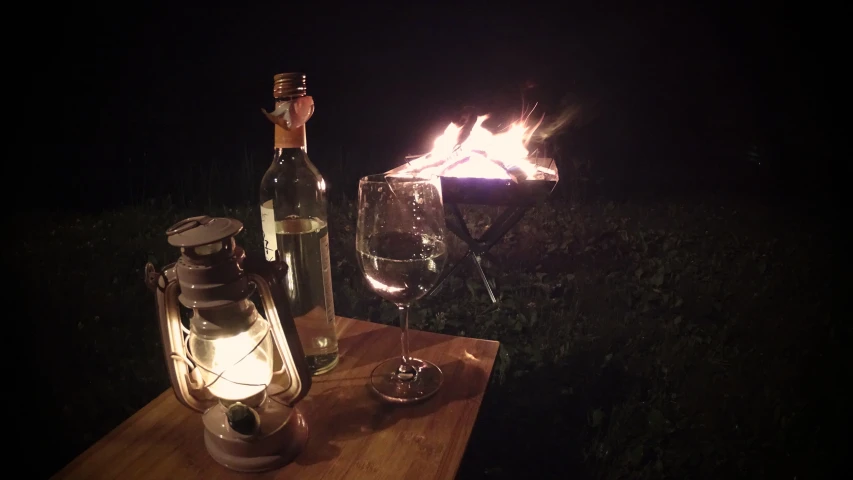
[[268, 277], [186, 381]]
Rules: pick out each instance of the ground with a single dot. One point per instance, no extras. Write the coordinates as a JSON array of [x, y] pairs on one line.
[[679, 338]]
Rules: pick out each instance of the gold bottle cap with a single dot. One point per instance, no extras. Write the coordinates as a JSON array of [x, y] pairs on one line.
[[289, 85]]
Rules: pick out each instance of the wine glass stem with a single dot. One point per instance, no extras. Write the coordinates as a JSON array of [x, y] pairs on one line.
[[405, 368]]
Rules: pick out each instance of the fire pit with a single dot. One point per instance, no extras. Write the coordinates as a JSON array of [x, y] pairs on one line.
[[478, 167]]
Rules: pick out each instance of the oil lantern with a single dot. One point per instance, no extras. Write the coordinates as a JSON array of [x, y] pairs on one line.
[[243, 371]]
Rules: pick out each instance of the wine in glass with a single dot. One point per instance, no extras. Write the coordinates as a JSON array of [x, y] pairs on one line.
[[401, 251]]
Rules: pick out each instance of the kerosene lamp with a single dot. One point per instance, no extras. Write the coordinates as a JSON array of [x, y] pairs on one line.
[[243, 371]]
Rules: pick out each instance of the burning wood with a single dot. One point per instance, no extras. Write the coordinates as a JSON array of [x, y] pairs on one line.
[[468, 150], [443, 167]]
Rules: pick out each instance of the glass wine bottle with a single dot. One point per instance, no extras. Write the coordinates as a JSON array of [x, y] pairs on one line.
[[294, 222]]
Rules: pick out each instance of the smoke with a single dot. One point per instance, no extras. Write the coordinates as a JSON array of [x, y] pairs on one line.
[[567, 117], [549, 126]]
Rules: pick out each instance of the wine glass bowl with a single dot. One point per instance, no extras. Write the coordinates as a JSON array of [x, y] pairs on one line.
[[401, 250]]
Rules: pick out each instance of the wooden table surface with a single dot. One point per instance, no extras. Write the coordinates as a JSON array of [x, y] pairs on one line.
[[352, 434]]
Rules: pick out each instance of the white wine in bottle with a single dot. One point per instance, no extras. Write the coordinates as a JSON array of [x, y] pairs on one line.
[[294, 221]]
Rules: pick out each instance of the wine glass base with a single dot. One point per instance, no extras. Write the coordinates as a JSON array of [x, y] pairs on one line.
[[386, 383]]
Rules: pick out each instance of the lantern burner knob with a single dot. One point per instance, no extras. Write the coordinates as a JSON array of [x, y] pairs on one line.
[[242, 419]]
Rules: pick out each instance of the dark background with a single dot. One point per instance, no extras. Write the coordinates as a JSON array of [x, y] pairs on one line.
[[134, 101], [145, 97]]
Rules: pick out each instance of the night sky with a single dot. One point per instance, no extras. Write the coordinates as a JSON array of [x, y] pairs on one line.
[[659, 88]]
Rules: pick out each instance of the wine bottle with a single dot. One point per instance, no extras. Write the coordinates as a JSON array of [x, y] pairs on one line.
[[294, 222]]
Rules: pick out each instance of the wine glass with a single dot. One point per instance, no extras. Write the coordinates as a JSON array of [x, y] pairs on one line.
[[401, 251]]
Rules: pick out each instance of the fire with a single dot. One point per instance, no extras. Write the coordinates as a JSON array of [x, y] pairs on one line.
[[481, 154]]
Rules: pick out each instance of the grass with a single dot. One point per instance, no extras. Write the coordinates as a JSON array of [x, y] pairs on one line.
[[670, 339]]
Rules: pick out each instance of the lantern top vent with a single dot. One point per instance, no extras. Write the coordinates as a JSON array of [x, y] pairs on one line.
[[202, 230]]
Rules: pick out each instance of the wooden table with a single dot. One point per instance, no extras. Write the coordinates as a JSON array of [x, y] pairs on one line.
[[352, 435]]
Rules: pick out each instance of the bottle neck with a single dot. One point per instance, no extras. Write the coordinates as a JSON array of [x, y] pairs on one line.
[[290, 138], [286, 139]]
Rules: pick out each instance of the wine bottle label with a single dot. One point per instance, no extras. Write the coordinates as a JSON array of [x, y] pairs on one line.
[[268, 226], [327, 279]]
